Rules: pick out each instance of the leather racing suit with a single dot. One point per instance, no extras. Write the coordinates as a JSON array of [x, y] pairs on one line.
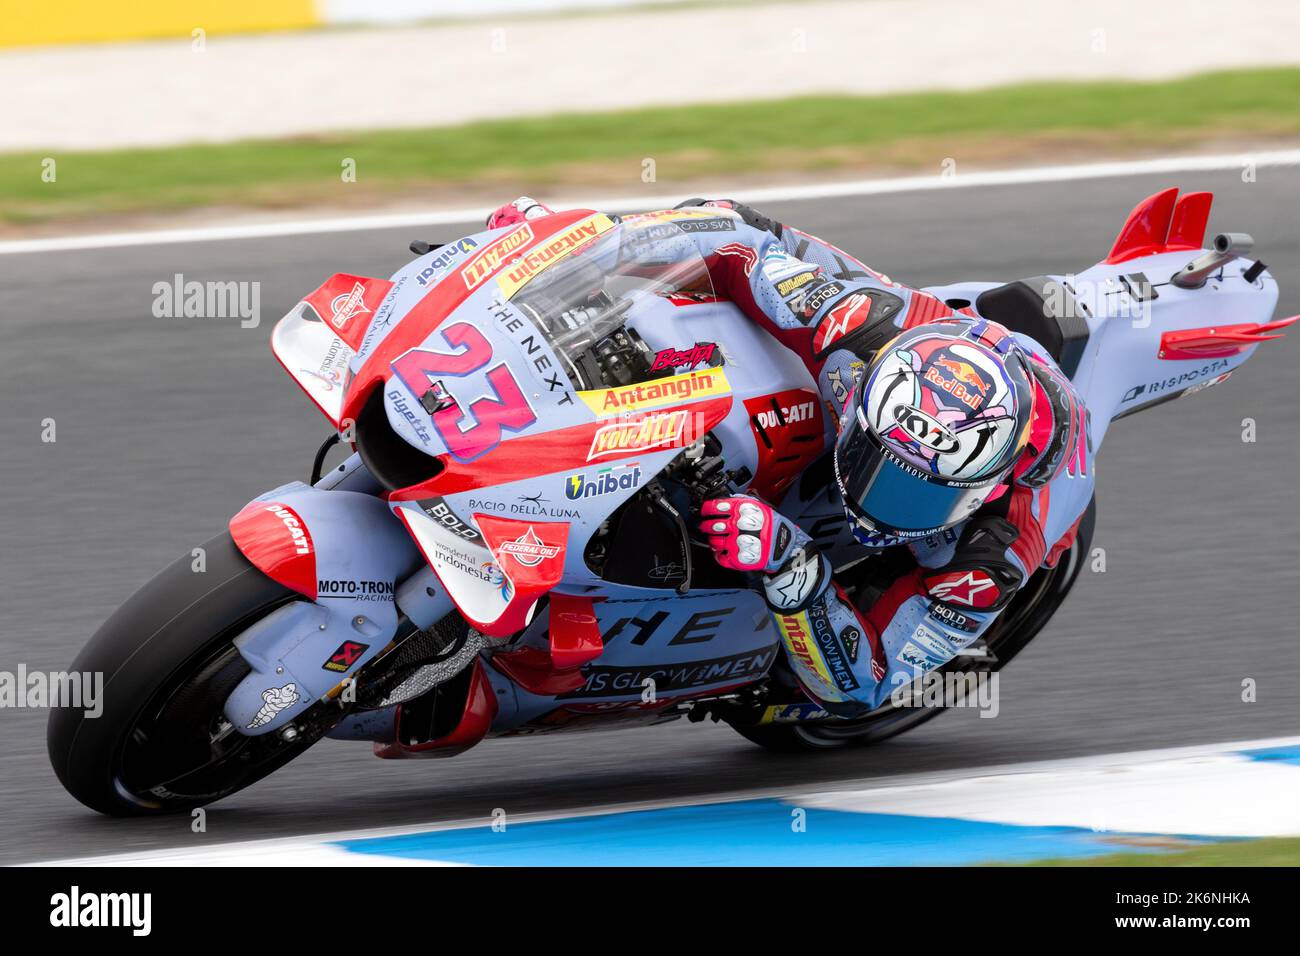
[[834, 313]]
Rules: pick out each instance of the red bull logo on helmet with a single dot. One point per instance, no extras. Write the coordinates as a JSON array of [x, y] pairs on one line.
[[960, 379]]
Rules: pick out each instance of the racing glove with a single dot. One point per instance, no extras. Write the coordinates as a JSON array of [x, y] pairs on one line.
[[747, 534]]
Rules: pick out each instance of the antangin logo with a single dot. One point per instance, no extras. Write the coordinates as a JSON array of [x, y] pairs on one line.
[[688, 386], [534, 261]]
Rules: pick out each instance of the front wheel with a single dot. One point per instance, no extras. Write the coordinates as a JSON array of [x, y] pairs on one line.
[[161, 743], [1026, 615]]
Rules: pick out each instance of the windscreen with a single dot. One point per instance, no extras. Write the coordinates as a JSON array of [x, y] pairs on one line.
[[588, 301]]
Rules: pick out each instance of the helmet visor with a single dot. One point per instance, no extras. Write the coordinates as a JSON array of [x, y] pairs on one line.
[[892, 496]]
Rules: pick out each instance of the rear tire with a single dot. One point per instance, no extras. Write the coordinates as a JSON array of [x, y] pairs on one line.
[[1026, 615], [159, 745]]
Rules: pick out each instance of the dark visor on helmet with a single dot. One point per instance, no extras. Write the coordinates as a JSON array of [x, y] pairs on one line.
[[892, 496]]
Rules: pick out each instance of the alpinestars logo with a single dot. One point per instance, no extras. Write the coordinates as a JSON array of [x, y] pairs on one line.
[[842, 320], [972, 588], [528, 549], [344, 308]]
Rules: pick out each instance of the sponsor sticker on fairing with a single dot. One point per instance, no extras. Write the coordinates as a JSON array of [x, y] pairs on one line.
[[494, 255], [699, 354], [674, 390], [659, 430], [437, 267], [603, 481], [522, 271], [528, 549]]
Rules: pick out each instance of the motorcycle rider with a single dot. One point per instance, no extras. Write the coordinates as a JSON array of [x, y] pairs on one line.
[[963, 449]]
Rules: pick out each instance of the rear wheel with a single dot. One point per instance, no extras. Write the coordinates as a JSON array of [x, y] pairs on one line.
[[1026, 615], [162, 743]]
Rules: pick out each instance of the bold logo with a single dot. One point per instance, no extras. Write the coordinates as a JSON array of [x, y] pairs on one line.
[[528, 549], [605, 481], [686, 387], [841, 320], [348, 653], [348, 305], [972, 588], [534, 261], [699, 354], [651, 431], [806, 304], [494, 255]]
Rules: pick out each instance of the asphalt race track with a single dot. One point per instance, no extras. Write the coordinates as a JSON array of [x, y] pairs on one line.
[[165, 427]]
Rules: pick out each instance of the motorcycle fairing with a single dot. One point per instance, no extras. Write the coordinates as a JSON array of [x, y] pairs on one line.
[[493, 251], [317, 340], [344, 554], [692, 645]]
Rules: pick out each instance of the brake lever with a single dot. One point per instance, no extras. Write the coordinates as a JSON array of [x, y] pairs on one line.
[[661, 501]]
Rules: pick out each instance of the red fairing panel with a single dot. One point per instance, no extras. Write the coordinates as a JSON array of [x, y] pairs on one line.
[[347, 303], [276, 540], [789, 434], [530, 555], [475, 722]]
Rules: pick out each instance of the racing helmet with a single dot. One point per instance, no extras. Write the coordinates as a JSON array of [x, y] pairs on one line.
[[936, 424]]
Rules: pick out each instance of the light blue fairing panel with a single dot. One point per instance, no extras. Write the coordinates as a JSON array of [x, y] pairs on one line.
[[1122, 369], [677, 646], [306, 648]]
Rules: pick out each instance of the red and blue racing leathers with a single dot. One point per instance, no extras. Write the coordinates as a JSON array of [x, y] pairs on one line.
[[835, 313]]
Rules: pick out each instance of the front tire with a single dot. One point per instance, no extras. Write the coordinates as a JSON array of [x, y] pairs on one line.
[[161, 744]]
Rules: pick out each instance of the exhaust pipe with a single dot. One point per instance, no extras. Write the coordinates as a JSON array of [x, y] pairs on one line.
[[1227, 246]]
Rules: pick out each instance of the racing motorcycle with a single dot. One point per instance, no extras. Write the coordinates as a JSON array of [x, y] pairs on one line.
[[536, 414]]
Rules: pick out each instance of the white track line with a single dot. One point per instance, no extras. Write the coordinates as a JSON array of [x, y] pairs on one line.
[[864, 187], [310, 849]]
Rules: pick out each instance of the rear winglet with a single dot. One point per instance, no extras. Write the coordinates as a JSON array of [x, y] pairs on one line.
[[1219, 342], [1187, 228], [1164, 222]]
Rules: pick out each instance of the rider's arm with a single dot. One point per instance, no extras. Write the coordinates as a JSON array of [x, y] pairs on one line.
[[814, 298], [851, 655]]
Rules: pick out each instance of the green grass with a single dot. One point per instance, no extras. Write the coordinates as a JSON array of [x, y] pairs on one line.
[[1277, 851], [807, 134]]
